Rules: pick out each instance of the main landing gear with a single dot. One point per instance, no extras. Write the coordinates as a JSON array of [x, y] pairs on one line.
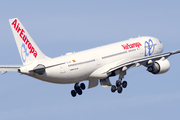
[[78, 89], [119, 86]]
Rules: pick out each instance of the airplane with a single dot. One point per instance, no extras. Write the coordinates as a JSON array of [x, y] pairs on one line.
[[94, 65]]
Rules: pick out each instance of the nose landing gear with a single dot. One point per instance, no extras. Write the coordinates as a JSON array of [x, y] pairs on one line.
[[78, 89]]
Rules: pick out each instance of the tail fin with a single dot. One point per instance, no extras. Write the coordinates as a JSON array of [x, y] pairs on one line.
[[28, 50]]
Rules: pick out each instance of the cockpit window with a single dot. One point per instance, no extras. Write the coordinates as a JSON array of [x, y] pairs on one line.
[[159, 41]]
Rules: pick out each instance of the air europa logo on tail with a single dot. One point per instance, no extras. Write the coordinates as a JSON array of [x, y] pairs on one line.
[[21, 33], [133, 45]]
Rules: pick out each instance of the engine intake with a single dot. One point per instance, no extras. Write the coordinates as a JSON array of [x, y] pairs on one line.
[[159, 67]]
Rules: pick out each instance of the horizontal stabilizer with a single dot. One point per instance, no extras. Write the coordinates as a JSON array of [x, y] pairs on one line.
[[12, 68]]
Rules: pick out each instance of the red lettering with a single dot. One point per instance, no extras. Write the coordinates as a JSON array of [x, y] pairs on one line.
[[123, 47], [21, 33], [18, 30], [14, 23], [139, 44], [29, 45], [24, 38], [17, 27], [35, 54], [27, 41], [130, 46], [127, 46], [32, 50], [133, 45]]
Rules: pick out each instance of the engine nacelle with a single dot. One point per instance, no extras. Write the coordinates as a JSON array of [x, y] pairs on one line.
[[159, 67]]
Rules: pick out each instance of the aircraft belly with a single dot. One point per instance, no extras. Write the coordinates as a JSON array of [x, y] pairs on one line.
[[56, 75]]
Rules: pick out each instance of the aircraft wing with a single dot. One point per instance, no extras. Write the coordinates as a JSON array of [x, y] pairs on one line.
[[142, 61], [12, 68]]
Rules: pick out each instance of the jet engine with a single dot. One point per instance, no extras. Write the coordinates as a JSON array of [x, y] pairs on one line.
[[159, 67]]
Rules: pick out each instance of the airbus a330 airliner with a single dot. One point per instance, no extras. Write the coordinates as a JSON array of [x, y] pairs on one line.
[[93, 65]]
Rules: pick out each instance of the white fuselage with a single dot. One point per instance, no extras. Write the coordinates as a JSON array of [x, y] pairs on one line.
[[90, 64]]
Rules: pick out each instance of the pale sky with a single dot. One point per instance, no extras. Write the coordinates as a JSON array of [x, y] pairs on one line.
[[59, 27]]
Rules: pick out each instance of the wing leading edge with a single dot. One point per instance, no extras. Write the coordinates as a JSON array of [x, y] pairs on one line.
[[142, 61]]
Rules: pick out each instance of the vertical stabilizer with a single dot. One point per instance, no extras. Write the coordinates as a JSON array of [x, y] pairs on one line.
[[28, 50]]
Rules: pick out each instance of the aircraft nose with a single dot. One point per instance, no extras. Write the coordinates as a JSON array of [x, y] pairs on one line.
[[160, 46]]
